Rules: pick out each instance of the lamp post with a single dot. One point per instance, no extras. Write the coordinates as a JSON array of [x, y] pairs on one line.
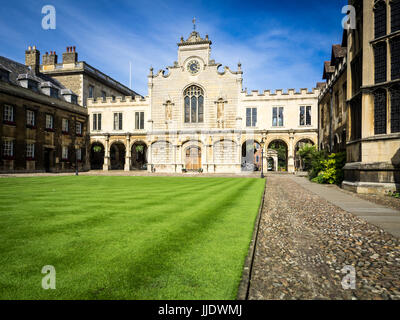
[[262, 159], [76, 160]]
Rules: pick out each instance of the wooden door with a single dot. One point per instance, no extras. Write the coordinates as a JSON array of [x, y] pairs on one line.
[[193, 158]]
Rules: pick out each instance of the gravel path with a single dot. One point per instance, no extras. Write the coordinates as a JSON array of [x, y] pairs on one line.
[[304, 242]]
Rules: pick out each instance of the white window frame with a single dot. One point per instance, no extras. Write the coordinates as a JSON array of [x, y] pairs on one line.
[[8, 113], [78, 128], [8, 148], [252, 123], [64, 153], [30, 117], [65, 125], [277, 116], [96, 122], [49, 121], [137, 123], [118, 121], [30, 150]]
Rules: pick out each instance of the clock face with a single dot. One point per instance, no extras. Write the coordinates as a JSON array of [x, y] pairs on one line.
[[193, 66]]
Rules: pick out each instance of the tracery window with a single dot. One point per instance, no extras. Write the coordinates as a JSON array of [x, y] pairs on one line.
[[395, 53], [395, 109], [395, 15], [380, 62], [380, 19], [194, 104], [380, 111]]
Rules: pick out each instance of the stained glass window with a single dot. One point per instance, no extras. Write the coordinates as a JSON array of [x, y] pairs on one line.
[[194, 105]]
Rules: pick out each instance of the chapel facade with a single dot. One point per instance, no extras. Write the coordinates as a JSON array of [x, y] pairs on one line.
[[197, 117]]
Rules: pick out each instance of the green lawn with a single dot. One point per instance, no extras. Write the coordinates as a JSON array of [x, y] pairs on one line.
[[126, 237]]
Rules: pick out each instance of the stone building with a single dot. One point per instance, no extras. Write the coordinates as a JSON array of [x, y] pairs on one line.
[[373, 93], [81, 77], [332, 101], [42, 128], [367, 82], [197, 116]]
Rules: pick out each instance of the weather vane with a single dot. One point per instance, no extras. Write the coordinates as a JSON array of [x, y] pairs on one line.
[[194, 24]]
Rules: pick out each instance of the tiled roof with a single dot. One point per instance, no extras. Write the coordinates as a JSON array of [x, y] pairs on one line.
[[18, 71]]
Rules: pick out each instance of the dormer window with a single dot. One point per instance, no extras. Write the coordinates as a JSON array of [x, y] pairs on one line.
[[53, 93], [33, 85], [4, 75], [50, 89], [69, 96]]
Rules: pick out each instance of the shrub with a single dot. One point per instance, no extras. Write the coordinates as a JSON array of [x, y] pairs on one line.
[[321, 167], [332, 169], [312, 159], [394, 194]]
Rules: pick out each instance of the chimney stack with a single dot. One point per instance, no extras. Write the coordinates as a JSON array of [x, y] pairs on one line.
[[32, 59], [50, 59], [70, 56]]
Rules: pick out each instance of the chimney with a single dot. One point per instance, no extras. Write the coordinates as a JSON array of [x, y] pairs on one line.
[[50, 59], [70, 56], [32, 59]]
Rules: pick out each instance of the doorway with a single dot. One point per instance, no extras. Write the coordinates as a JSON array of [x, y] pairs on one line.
[[193, 158]]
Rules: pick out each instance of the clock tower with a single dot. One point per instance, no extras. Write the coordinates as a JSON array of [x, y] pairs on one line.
[[195, 47]]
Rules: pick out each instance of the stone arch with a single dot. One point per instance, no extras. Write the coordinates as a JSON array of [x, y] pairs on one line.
[[225, 151], [282, 147], [162, 152], [97, 153], [251, 155], [298, 162], [117, 155], [313, 139], [192, 154], [139, 155]]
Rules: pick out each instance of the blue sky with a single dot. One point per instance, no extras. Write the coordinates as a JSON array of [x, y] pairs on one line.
[[281, 44]]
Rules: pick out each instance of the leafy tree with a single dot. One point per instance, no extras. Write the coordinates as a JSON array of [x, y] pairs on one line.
[[282, 153]]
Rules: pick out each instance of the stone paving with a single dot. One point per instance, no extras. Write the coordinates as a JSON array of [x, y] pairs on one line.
[[305, 241]]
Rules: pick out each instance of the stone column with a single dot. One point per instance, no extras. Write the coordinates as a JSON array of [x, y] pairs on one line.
[[291, 153], [275, 159], [149, 156], [106, 164], [128, 154]]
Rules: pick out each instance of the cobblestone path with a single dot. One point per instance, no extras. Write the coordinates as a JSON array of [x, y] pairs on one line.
[[304, 242]]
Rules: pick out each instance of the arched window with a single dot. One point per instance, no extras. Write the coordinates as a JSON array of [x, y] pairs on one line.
[[194, 104]]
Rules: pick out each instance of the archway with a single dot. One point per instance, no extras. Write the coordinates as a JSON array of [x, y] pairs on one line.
[[139, 156], [96, 156], [251, 156], [193, 158], [281, 148], [271, 164], [298, 163], [117, 156]]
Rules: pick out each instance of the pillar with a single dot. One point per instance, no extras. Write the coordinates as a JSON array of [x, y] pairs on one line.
[[127, 166], [291, 153], [106, 164], [149, 157]]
